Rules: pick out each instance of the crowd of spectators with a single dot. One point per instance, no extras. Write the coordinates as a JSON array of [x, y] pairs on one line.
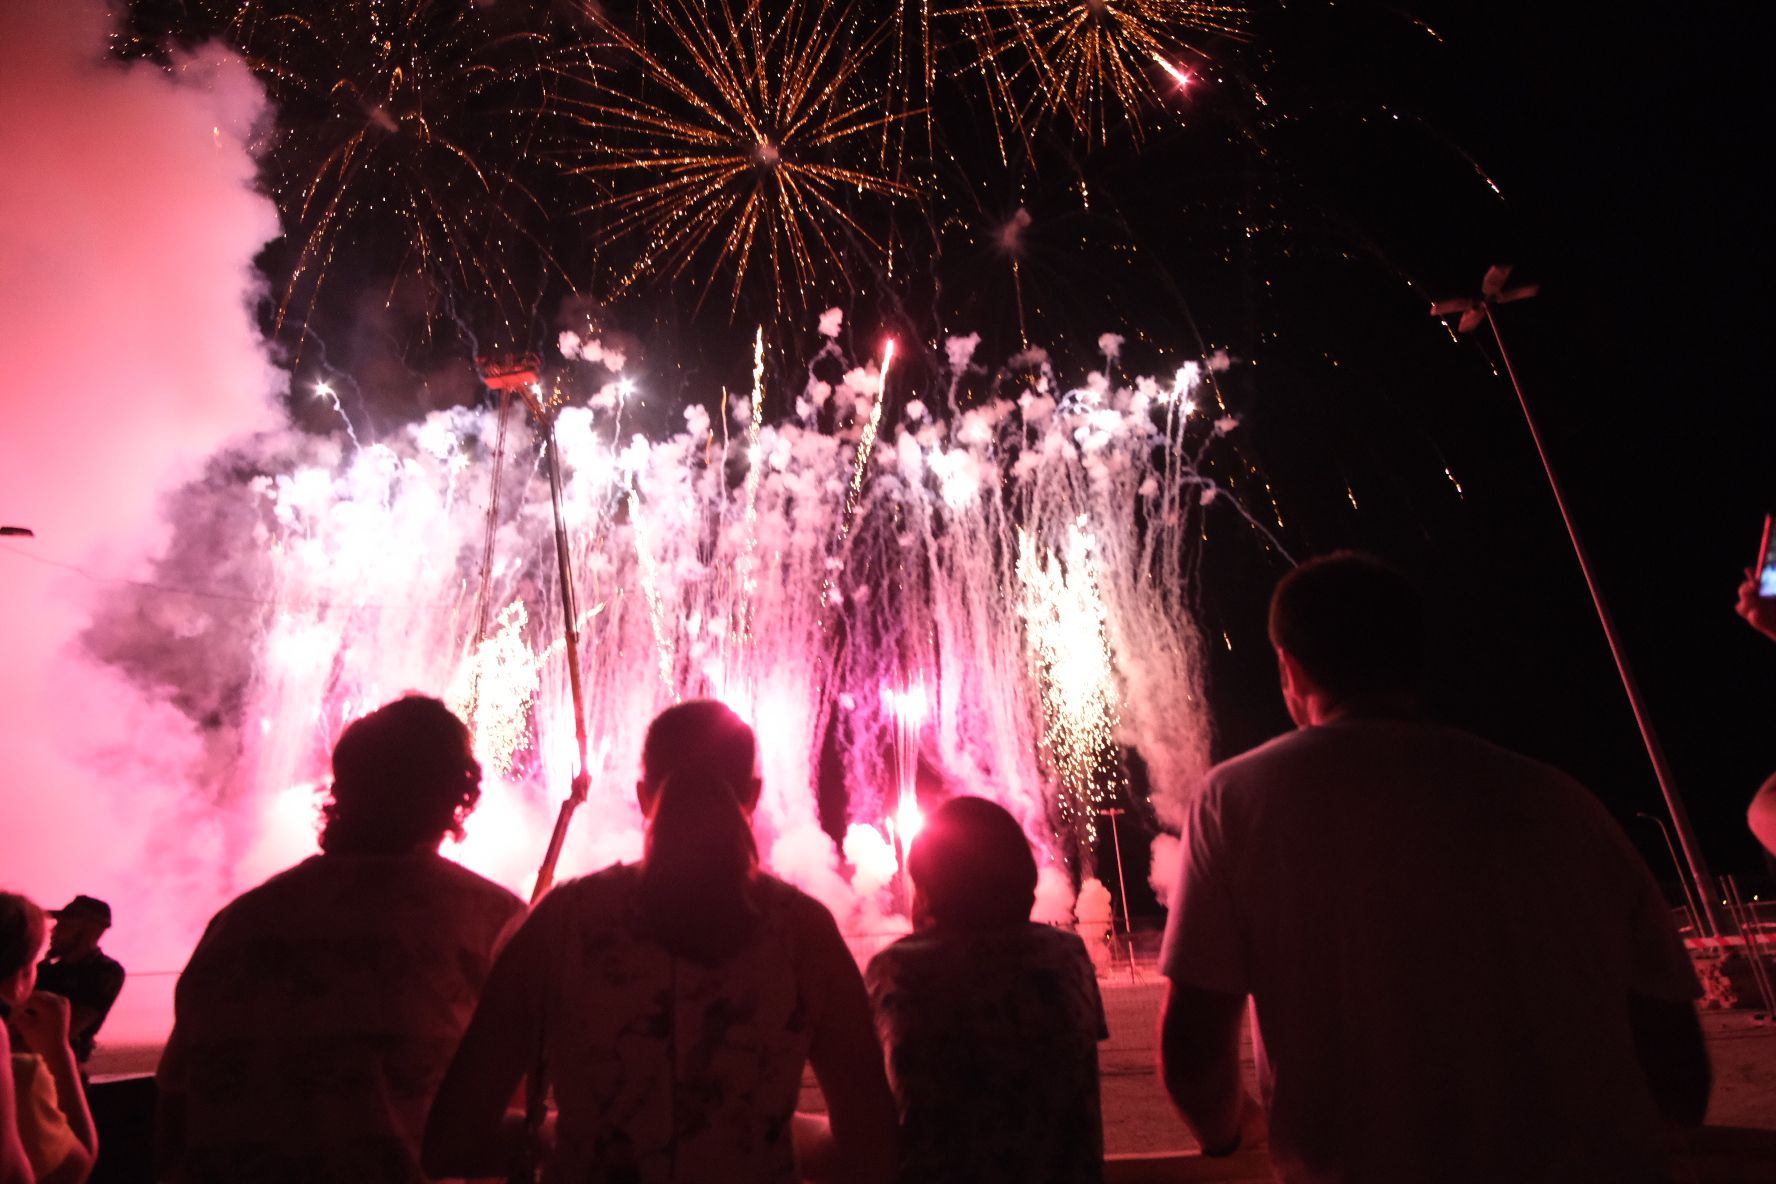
[[1454, 965]]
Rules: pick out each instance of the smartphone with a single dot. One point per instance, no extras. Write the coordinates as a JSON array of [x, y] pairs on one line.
[[1766, 565]]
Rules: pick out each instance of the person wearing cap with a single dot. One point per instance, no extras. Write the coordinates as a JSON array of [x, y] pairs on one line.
[[80, 972]]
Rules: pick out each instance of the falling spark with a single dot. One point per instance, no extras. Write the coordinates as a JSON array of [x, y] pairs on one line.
[[1183, 77]]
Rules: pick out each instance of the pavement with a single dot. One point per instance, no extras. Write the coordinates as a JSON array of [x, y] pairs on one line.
[[1139, 1120]]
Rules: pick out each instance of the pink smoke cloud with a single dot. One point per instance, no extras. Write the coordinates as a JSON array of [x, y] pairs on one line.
[[128, 225]]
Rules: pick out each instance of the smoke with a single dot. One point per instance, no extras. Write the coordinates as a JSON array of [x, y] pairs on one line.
[[1162, 872], [128, 226]]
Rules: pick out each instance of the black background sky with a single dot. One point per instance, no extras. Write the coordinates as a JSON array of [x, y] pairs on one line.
[[1627, 143]]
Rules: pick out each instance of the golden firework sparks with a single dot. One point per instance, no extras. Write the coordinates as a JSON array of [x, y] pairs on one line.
[[404, 138], [744, 145], [1090, 60]]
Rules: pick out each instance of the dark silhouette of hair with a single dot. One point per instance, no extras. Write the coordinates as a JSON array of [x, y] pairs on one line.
[[972, 864], [1355, 624], [402, 778], [22, 929], [697, 874]]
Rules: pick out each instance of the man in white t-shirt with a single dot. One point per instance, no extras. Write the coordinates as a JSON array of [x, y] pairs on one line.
[[1459, 968]]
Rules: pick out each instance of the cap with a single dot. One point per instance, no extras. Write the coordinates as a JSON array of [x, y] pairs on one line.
[[85, 906]]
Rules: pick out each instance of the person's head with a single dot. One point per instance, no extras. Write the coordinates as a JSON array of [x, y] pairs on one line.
[[404, 777], [1349, 632], [971, 867], [698, 788], [21, 944], [78, 926]]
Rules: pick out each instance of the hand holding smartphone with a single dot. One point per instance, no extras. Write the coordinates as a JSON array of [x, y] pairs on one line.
[[1765, 571], [1757, 595]]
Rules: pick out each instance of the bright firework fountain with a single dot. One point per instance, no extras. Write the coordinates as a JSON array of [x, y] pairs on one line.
[[1001, 593]]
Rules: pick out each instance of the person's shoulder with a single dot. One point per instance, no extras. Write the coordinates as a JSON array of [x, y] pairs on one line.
[[1289, 746], [910, 947], [806, 917], [474, 885], [600, 891], [271, 895], [1053, 939], [786, 895]]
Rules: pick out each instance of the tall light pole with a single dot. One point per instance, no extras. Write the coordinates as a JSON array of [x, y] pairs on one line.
[[1476, 311]]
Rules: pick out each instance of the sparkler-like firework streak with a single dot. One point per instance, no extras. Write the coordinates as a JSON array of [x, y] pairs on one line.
[[1091, 60], [1064, 619], [742, 144], [1029, 651]]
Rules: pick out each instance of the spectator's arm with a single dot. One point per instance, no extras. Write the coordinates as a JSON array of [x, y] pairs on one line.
[[1673, 1057], [847, 1061], [42, 1023], [1199, 1041], [1758, 611], [14, 1167], [88, 1017], [473, 1129], [1761, 816]]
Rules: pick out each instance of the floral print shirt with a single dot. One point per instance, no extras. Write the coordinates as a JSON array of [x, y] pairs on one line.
[[665, 1069]]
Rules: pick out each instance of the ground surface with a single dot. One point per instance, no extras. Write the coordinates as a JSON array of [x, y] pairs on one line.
[[1137, 1117]]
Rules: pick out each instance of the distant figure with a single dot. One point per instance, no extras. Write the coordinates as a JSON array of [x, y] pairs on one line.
[[1096, 923], [319, 1011], [79, 971], [990, 1023], [674, 1002], [1760, 613], [1459, 967], [50, 1121]]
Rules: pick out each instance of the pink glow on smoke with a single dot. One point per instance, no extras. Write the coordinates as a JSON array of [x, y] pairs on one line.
[[127, 231]]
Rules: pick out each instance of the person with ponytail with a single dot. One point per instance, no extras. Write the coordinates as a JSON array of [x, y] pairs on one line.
[[672, 1005]]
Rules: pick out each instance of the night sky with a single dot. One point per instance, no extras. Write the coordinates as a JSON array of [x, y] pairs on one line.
[[1307, 237], [1624, 142]]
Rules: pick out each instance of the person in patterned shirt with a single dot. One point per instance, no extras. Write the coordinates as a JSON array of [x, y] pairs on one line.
[[675, 1003], [990, 1022], [319, 1011]]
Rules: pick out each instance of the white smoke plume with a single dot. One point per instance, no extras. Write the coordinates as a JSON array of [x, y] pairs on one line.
[[128, 225]]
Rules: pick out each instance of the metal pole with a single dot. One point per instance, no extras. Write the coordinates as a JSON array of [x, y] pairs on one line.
[[570, 608], [493, 503], [1753, 948], [1676, 866], [1680, 819], [1128, 926]]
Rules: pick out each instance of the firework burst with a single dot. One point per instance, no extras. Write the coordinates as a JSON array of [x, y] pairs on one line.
[[740, 146], [403, 142], [1099, 63]]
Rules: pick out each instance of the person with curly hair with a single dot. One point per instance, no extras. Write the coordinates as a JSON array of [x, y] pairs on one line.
[[317, 1015]]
